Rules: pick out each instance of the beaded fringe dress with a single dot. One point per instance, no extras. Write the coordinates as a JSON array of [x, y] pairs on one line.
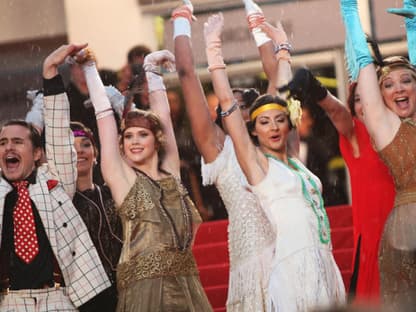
[[250, 236]]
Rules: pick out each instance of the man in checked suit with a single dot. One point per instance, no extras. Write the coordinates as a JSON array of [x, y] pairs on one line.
[[65, 271]]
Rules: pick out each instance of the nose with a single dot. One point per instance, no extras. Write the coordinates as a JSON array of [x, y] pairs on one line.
[[274, 125]]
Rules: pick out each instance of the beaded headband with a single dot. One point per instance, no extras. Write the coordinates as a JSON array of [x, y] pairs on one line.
[[395, 63], [82, 133], [267, 107]]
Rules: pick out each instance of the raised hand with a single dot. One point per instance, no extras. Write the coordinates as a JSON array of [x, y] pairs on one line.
[[186, 10], [277, 34], [155, 60], [57, 57], [213, 28], [152, 64], [255, 17], [305, 87]]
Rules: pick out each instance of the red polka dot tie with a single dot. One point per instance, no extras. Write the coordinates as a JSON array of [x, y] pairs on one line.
[[25, 238]]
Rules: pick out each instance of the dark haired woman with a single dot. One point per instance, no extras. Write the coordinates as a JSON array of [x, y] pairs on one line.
[[96, 208], [304, 274]]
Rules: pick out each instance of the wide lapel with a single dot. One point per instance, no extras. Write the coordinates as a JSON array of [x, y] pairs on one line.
[[39, 193], [5, 188]]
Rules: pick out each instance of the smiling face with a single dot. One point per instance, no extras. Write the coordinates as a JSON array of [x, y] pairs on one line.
[[85, 155], [272, 129], [18, 156], [139, 145], [398, 89]]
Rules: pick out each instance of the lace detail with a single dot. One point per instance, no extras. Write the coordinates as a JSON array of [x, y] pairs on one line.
[[250, 235], [155, 264]]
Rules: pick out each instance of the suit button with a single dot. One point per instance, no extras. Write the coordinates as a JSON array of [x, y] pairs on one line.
[[65, 225], [73, 254], [60, 203]]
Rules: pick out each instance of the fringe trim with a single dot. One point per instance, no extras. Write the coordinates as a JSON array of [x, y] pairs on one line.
[[249, 282]]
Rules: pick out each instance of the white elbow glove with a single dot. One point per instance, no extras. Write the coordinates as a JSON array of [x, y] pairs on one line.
[[152, 64]]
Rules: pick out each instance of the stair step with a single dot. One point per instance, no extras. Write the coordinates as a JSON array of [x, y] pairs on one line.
[[346, 277], [342, 237], [209, 254], [212, 275], [343, 258], [339, 216], [217, 295], [212, 232]]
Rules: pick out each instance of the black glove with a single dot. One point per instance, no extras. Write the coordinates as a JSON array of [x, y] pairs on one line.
[[305, 87]]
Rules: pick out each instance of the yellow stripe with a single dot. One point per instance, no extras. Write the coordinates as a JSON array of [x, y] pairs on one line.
[[267, 107]]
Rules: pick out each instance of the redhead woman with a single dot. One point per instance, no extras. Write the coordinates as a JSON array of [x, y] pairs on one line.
[[157, 270], [304, 274]]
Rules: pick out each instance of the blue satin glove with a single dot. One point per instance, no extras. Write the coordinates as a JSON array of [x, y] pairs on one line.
[[409, 12], [357, 52]]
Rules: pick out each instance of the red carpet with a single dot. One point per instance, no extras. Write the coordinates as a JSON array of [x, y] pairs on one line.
[[211, 253]]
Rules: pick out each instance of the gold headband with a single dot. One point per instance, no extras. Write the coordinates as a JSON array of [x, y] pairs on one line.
[[267, 107], [387, 69]]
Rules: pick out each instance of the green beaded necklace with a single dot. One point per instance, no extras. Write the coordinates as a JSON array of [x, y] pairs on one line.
[[319, 210]]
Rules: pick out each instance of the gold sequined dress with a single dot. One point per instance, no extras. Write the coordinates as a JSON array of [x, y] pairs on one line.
[[157, 270], [397, 256]]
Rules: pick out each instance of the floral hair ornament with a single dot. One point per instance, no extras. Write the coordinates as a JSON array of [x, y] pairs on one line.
[[295, 111]]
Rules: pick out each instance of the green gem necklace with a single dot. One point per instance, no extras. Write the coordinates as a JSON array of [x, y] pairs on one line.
[[317, 207]]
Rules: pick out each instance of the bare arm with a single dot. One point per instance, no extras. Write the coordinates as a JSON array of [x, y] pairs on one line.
[[207, 135], [382, 124], [252, 162], [339, 115]]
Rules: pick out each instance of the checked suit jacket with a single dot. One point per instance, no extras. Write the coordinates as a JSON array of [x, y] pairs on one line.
[[52, 194]]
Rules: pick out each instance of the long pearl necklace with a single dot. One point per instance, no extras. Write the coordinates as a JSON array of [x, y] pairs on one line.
[[317, 207]]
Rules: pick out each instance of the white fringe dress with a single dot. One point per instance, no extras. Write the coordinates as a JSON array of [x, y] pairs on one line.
[[304, 274], [250, 235]]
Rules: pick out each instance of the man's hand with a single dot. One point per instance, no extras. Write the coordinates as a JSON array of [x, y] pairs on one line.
[[57, 57]]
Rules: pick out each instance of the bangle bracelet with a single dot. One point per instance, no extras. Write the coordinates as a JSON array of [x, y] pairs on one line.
[[283, 46], [283, 55], [104, 113], [217, 66], [230, 110]]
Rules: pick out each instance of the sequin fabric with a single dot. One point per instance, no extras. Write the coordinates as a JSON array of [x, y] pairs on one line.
[[397, 256], [154, 273], [250, 235]]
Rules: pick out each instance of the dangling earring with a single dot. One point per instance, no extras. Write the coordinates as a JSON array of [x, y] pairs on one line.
[[95, 162]]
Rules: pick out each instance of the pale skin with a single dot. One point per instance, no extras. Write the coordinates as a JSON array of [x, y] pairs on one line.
[[382, 124], [272, 126], [398, 96], [117, 169]]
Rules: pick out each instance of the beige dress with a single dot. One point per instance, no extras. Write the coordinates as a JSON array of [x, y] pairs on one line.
[[157, 270], [397, 256]]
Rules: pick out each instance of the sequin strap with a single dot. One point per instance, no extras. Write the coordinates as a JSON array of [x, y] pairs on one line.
[[156, 264], [405, 197]]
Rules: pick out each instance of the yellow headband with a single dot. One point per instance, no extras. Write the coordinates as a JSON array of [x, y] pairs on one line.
[[267, 107]]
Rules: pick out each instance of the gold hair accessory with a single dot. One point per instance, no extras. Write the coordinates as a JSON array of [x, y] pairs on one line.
[[295, 111], [267, 107]]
